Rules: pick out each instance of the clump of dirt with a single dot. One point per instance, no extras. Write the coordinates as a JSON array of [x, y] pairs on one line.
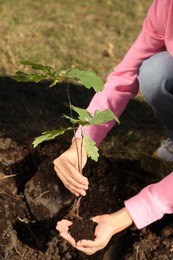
[[82, 229]]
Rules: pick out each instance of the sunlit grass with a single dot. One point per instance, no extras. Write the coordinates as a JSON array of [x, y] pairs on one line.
[[87, 34]]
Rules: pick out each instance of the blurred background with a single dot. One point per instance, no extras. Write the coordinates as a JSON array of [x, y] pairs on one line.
[[89, 34]]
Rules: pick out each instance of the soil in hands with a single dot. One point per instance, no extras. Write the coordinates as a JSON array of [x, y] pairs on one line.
[[82, 229]]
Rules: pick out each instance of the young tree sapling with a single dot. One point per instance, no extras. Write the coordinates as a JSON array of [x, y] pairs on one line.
[[84, 118]]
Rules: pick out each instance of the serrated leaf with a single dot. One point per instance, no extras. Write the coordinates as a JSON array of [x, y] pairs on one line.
[[37, 66], [98, 117], [48, 73], [103, 116], [83, 114], [88, 78], [74, 121], [91, 148], [49, 135]]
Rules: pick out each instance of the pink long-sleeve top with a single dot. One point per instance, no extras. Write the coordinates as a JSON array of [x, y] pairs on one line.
[[156, 35]]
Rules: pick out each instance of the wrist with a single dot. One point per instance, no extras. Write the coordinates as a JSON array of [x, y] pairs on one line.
[[121, 220]]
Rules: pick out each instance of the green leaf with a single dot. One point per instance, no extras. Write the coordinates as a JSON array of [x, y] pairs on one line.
[[92, 150], [49, 135], [88, 78], [35, 66], [83, 114], [103, 116], [98, 117], [74, 121], [24, 77], [48, 70], [85, 118], [51, 72]]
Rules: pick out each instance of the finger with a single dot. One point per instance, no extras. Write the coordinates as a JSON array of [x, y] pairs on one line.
[[70, 181], [61, 229], [96, 219], [65, 166], [71, 185], [71, 175], [63, 225], [77, 192], [88, 243], [72, 189], [88, 251], [75, 178], [66, 222], [69, 238]]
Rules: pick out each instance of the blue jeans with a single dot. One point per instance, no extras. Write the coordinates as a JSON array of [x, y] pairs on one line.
[[156, 85]]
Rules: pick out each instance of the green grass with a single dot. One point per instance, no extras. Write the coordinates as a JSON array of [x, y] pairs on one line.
[[86, 34]]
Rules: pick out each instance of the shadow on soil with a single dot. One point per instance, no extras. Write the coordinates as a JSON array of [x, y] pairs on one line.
[[27, 109]]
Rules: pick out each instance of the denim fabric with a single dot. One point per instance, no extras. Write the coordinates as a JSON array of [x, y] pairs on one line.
[[156, 85]]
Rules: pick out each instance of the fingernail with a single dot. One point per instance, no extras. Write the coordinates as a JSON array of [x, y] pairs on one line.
[[87, 182], [84, 193]]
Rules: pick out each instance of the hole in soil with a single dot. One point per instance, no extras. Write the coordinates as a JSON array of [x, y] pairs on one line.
[[25, 170], [34, 235]]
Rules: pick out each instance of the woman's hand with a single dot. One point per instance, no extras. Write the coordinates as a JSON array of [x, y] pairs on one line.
[[63, 228], [108, 225], [68, 167]]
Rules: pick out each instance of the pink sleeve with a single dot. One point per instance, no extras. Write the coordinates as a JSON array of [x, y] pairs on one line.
[[122, 83], [152, 202]]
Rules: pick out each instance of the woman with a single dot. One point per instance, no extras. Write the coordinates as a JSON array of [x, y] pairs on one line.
[[148, 67]]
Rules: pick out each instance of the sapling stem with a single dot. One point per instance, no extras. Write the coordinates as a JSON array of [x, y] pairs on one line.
[[76, 205], [79, 156], [82, 143]]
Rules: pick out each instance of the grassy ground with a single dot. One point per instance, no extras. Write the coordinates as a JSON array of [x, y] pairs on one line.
[[92, 35], [87, 34]]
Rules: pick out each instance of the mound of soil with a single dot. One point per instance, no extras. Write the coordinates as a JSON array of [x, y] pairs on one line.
[[33, 199]]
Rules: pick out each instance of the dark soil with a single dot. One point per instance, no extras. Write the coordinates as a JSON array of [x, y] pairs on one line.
[[82, 229], [33, 199]]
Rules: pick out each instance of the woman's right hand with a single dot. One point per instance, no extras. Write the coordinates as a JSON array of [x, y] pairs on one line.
[[67, 168]]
